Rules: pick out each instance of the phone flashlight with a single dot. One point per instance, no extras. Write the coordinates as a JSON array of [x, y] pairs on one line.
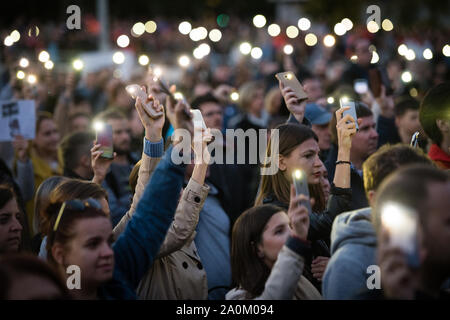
[[104, 137], [136, 91], [361, 86], [301, 186], [402, 222]]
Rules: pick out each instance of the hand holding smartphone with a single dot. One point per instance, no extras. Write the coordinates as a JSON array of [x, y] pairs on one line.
[[198, 119], [352, 111], [288, 79], [104, 137], [301, 186], [136, 91]]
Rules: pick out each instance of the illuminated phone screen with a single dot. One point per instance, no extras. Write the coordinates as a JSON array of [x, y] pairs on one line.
[[105, 139]]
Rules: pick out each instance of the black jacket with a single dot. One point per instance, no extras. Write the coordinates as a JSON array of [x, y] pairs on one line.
[[359, 199]]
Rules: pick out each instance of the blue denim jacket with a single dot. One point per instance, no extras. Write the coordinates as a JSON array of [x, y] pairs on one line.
[[137, 247]]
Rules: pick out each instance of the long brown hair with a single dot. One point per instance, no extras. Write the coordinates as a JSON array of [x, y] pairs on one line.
[[290, 136], [249, 271]]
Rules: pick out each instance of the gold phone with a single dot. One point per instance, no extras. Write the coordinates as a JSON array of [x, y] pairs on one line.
[[288, 79]]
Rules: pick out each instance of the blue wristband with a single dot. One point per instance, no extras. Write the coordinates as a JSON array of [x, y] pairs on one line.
[[154, 149]]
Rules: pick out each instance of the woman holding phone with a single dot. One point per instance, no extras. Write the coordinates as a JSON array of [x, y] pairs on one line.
[[299, 149], [269, 251]]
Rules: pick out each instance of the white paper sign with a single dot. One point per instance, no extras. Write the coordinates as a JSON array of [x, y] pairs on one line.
[[17, 117]]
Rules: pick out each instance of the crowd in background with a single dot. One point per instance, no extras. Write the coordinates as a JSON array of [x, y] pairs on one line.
[[141, 226]]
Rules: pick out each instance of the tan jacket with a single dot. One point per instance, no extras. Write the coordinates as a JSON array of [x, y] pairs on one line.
[[285, 281], [177, 273]]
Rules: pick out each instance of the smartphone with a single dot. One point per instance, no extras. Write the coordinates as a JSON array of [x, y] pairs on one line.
[[361, 86], [198, 119], [288, 79], [104, 137], [301, 186], [378, 77], [136, 91], [352, 111], [402, 223]]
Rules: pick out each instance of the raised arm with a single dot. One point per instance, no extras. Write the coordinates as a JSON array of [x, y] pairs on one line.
[[137, 247], [182, 230]]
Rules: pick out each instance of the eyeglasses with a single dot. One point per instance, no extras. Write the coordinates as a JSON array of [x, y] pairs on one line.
[[76, 205]]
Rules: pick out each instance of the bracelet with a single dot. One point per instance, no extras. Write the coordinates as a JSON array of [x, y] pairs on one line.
[[343, 162]]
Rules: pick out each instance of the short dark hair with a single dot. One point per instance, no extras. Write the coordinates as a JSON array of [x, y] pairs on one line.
[[404, 105], [15, 266], [74, 146], [409, 187], [435, 105], [206, 98], [386, 160]]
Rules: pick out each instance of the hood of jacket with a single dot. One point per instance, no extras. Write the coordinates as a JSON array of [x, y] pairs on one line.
[[353, 227]]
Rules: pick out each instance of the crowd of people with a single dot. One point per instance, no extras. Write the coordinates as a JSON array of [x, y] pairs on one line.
[[139, 225]]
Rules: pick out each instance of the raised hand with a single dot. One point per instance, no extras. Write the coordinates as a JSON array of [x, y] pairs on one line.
[[100, 165], [298, 215], [293, 103], [21, 148], [346, 129], [200, 145], [153, 126]]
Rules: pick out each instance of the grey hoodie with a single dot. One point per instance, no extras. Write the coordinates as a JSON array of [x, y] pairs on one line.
[[353, 244]]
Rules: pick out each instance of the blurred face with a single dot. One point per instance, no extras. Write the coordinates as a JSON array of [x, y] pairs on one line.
[[10, 227], [257, 101], [323, 133], [91, 250], [273, 238], [362, 52], [47, 137], [80, 123], [306, 157], [33, 287], [212, 114], [325, 183], [437, 228], [121, 135], [313, 88], [365, 141], [409, 122], [123, 100]]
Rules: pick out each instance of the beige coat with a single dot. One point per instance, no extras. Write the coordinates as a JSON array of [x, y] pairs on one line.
[[285, 281], [177, 272]]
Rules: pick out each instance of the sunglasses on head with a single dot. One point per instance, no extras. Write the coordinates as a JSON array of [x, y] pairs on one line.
[[76, 205]]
